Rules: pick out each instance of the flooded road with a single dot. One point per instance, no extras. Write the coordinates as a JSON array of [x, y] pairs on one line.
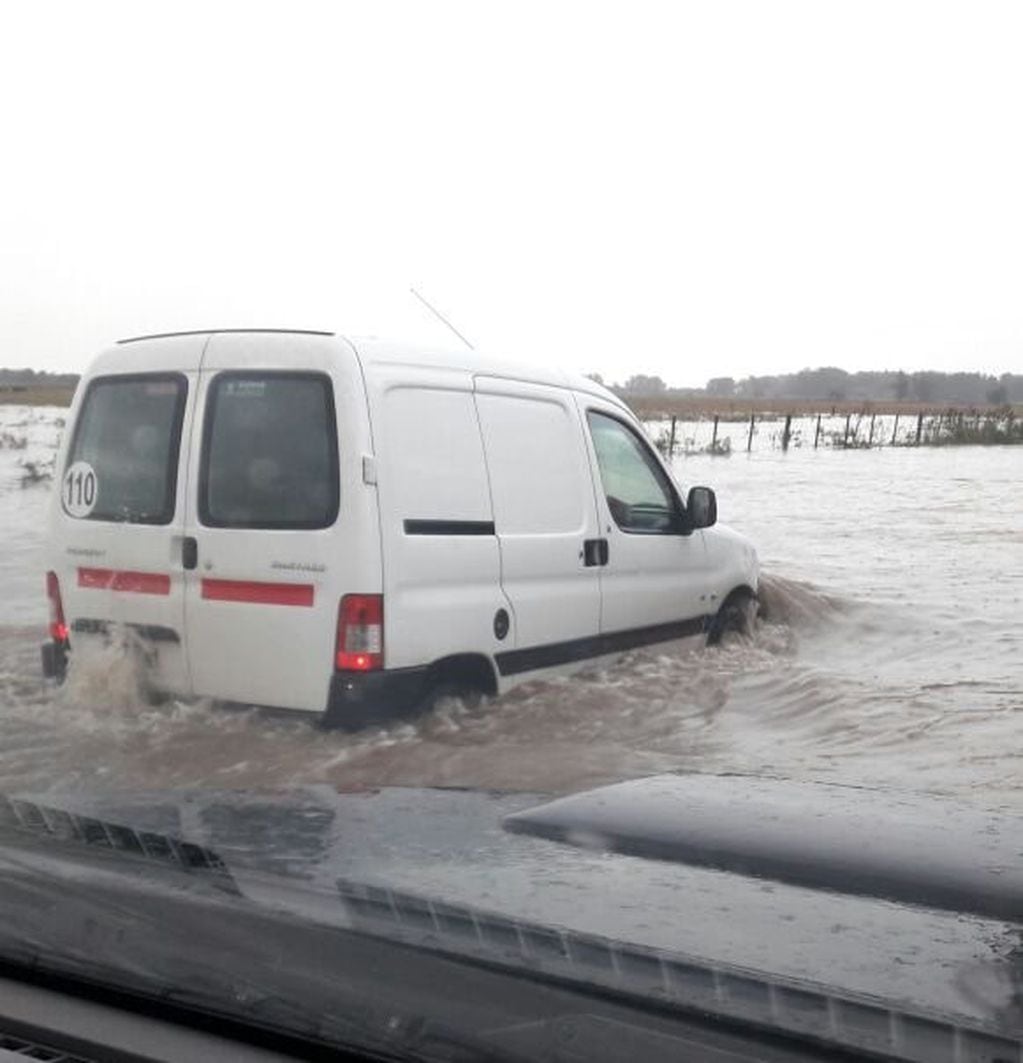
[[892, 654]]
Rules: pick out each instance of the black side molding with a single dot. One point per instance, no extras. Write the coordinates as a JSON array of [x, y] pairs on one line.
[[152, 632], [449, 527], [554, 653]]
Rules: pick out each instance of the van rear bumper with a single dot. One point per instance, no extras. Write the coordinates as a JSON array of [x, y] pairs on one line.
[[54, 655], [360, 699]]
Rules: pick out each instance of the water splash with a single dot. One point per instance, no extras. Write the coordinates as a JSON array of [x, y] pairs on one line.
[[110, 674]]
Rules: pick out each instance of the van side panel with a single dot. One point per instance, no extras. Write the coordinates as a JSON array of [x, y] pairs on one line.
[[441, 565], [544, 509]]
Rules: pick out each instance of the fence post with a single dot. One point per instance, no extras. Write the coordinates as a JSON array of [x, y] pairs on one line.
[[919, 427], [845, 441], [749, 441], [787, 433], [870, 439], [817, 433], [895, 429], [671, 440], [714, 440]]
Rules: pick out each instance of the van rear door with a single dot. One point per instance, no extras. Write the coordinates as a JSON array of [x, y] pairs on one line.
[[279, 524], [118, 519]]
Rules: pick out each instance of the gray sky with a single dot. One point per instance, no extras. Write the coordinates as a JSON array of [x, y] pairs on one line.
[[692, 190]]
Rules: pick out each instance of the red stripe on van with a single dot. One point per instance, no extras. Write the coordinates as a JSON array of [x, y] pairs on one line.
[[107, 579], [232, 590]]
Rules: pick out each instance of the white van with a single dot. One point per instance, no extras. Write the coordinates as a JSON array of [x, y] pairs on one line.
[[352, 527]]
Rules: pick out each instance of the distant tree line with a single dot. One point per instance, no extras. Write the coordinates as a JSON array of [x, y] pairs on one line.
[[836, 385], [825, 384], [36, 378]]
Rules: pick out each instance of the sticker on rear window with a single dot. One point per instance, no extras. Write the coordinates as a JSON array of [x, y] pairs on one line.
[[79, 489], [245, 389]]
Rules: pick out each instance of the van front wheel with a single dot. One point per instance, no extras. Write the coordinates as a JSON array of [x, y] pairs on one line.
[[737, 615]]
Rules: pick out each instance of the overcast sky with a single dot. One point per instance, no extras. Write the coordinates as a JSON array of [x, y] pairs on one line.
[[688, 189]]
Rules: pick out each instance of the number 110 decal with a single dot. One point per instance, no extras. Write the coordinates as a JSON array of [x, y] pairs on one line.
[[78, 491]]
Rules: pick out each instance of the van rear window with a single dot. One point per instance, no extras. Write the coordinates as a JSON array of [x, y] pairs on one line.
[[123, 461], [269, 452]]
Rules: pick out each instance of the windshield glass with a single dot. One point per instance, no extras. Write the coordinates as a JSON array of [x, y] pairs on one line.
[[364, 637]]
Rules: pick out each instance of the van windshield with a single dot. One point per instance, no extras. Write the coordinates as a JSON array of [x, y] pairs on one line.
[[125, 450]]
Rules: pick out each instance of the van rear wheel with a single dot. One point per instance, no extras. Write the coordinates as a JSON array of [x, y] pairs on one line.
[[451, 690], [467, 677]]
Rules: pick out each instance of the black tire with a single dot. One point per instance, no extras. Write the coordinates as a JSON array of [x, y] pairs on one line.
[[737, 615], [446, 689]]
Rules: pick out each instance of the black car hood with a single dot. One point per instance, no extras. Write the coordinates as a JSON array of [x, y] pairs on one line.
[[797, 906]]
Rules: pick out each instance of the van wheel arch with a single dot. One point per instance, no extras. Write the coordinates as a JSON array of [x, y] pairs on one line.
[[735, 614], [465, 675]]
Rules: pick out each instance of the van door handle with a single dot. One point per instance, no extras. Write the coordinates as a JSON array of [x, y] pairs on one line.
[[595, 552], [189, 552]]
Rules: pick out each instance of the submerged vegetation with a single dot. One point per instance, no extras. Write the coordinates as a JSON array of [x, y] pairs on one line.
[[696, 430], [12, 441], [950, 429], [36, 472]]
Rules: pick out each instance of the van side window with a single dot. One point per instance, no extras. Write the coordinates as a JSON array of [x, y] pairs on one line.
[[638, 493], [125, 448], [269, 456]]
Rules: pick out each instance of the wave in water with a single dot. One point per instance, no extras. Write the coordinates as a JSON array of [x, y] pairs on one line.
[[795, 698]]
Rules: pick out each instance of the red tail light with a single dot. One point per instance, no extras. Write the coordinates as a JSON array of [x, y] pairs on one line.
[[58, 629], [360, 633]]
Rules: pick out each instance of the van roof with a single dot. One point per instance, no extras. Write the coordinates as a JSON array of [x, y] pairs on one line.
[[373, 350], [211, 331]]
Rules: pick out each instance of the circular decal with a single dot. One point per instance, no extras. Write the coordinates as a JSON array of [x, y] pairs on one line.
[[79, 489]]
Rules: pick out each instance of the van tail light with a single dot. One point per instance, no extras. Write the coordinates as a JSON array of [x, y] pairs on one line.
[[58, 628], [360, 633]]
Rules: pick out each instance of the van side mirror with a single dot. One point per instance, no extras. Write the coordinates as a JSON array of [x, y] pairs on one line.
[[702, 507]]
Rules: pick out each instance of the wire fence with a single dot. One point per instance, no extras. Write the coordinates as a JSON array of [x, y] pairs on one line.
[[714, 434]]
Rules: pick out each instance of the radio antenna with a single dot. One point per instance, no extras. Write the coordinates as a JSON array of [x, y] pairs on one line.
[[437, 314]]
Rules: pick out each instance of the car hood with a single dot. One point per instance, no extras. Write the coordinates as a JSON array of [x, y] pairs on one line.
[[763, 900]]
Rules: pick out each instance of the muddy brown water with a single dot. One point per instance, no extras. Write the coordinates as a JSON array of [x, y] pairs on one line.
[[891, 656]]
